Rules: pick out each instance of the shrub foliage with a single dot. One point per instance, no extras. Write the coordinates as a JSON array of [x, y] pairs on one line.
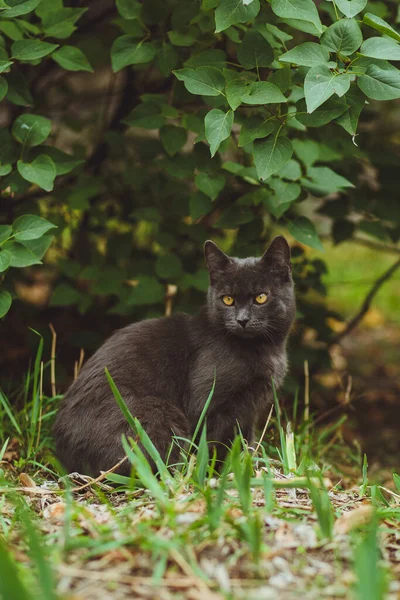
[[131, 132]]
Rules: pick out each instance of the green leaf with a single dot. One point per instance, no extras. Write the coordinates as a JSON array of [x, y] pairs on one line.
[[234, 216], [255, 127], [349, 119], [59, 22], [351, 8], [199, 205], [206, 81], [5, 305], [64, 162], [291, 170], [308, 54], [40, 246], [183, 39], [173, 138], [381, 25], [303, 230], [19, 8], [30, 227], [235, 89], [263, 92], [271, 155], [129, 9], [322, 181], [40, 171], [31, 130], [4, 64], [326, 113], [5, 232], [169, 267], [18, 91], [320, 83], [302, 10], [231, 12], [21, 256], [72, 59], [64, 294], [211, 186], [147, 115], [343, 37], [305, 26], [284, 195], [255, 51], [31, 49], [167, 59], [148, 291], [307, 151], [382, 48], [5, 260], [380, 82], [127, 51], [3, 88], [218, 125], [207, 58]]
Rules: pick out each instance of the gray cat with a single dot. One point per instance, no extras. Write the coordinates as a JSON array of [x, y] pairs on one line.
[[164, 368]]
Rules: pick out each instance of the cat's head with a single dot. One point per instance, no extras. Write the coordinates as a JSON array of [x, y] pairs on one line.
[[252, 297]]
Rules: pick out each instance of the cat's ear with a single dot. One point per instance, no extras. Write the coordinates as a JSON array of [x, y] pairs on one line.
[[277, 255], [216, 260]]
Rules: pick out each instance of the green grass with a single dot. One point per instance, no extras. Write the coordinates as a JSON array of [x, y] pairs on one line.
[[352, 270], [264, 521]]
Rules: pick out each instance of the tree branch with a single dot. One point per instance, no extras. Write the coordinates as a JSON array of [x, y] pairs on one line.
[[367, 303]]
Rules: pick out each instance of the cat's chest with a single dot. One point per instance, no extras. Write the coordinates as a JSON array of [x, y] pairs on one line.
[[233, 370]]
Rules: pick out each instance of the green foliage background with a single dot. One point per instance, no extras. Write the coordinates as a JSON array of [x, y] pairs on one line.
[[132, 132]]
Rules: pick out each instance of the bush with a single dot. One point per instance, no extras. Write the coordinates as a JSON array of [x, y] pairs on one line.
[[139, 130]]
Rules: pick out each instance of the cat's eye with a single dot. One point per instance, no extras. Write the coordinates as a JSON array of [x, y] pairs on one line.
[[261, 299], [228, 300]]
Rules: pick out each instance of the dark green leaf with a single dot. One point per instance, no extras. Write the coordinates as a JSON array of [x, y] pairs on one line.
[[284, 195], [381, 25], [271, 155], [31, 130], [148, 291], [255, 127], [321, 83], [173, 138], [72, 59], [207, 58], [349, 119], [127, 51], [235, 89], [19, 8], [380, 82], [64, 295], [211, 186], [167, 59], [199, 205], [351, 8], [31, 49], [40, 246], [263, 92], [343, 37], [147, 116], [5, 305], [218, 125], [307, 151], [231, 12], [30, 227], [254, 51], [183, 38], [20, 255], [169, 267], [129, 9], [5, 232], [303, 230], [326, 113], [300, 10], [382, 48], [40, 171], [63, 162], [59, 22], [18, 91], [234, 216], [206, 81], [308, 54], [3, 88], [322, 181], [5, 260]]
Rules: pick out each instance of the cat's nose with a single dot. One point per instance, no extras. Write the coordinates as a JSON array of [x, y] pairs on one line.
[[243, 322]]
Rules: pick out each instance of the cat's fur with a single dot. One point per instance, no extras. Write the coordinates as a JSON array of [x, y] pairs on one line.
[[164, 368]]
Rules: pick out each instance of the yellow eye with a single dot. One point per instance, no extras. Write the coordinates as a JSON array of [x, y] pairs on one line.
[[228, 300], [261, 298]]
